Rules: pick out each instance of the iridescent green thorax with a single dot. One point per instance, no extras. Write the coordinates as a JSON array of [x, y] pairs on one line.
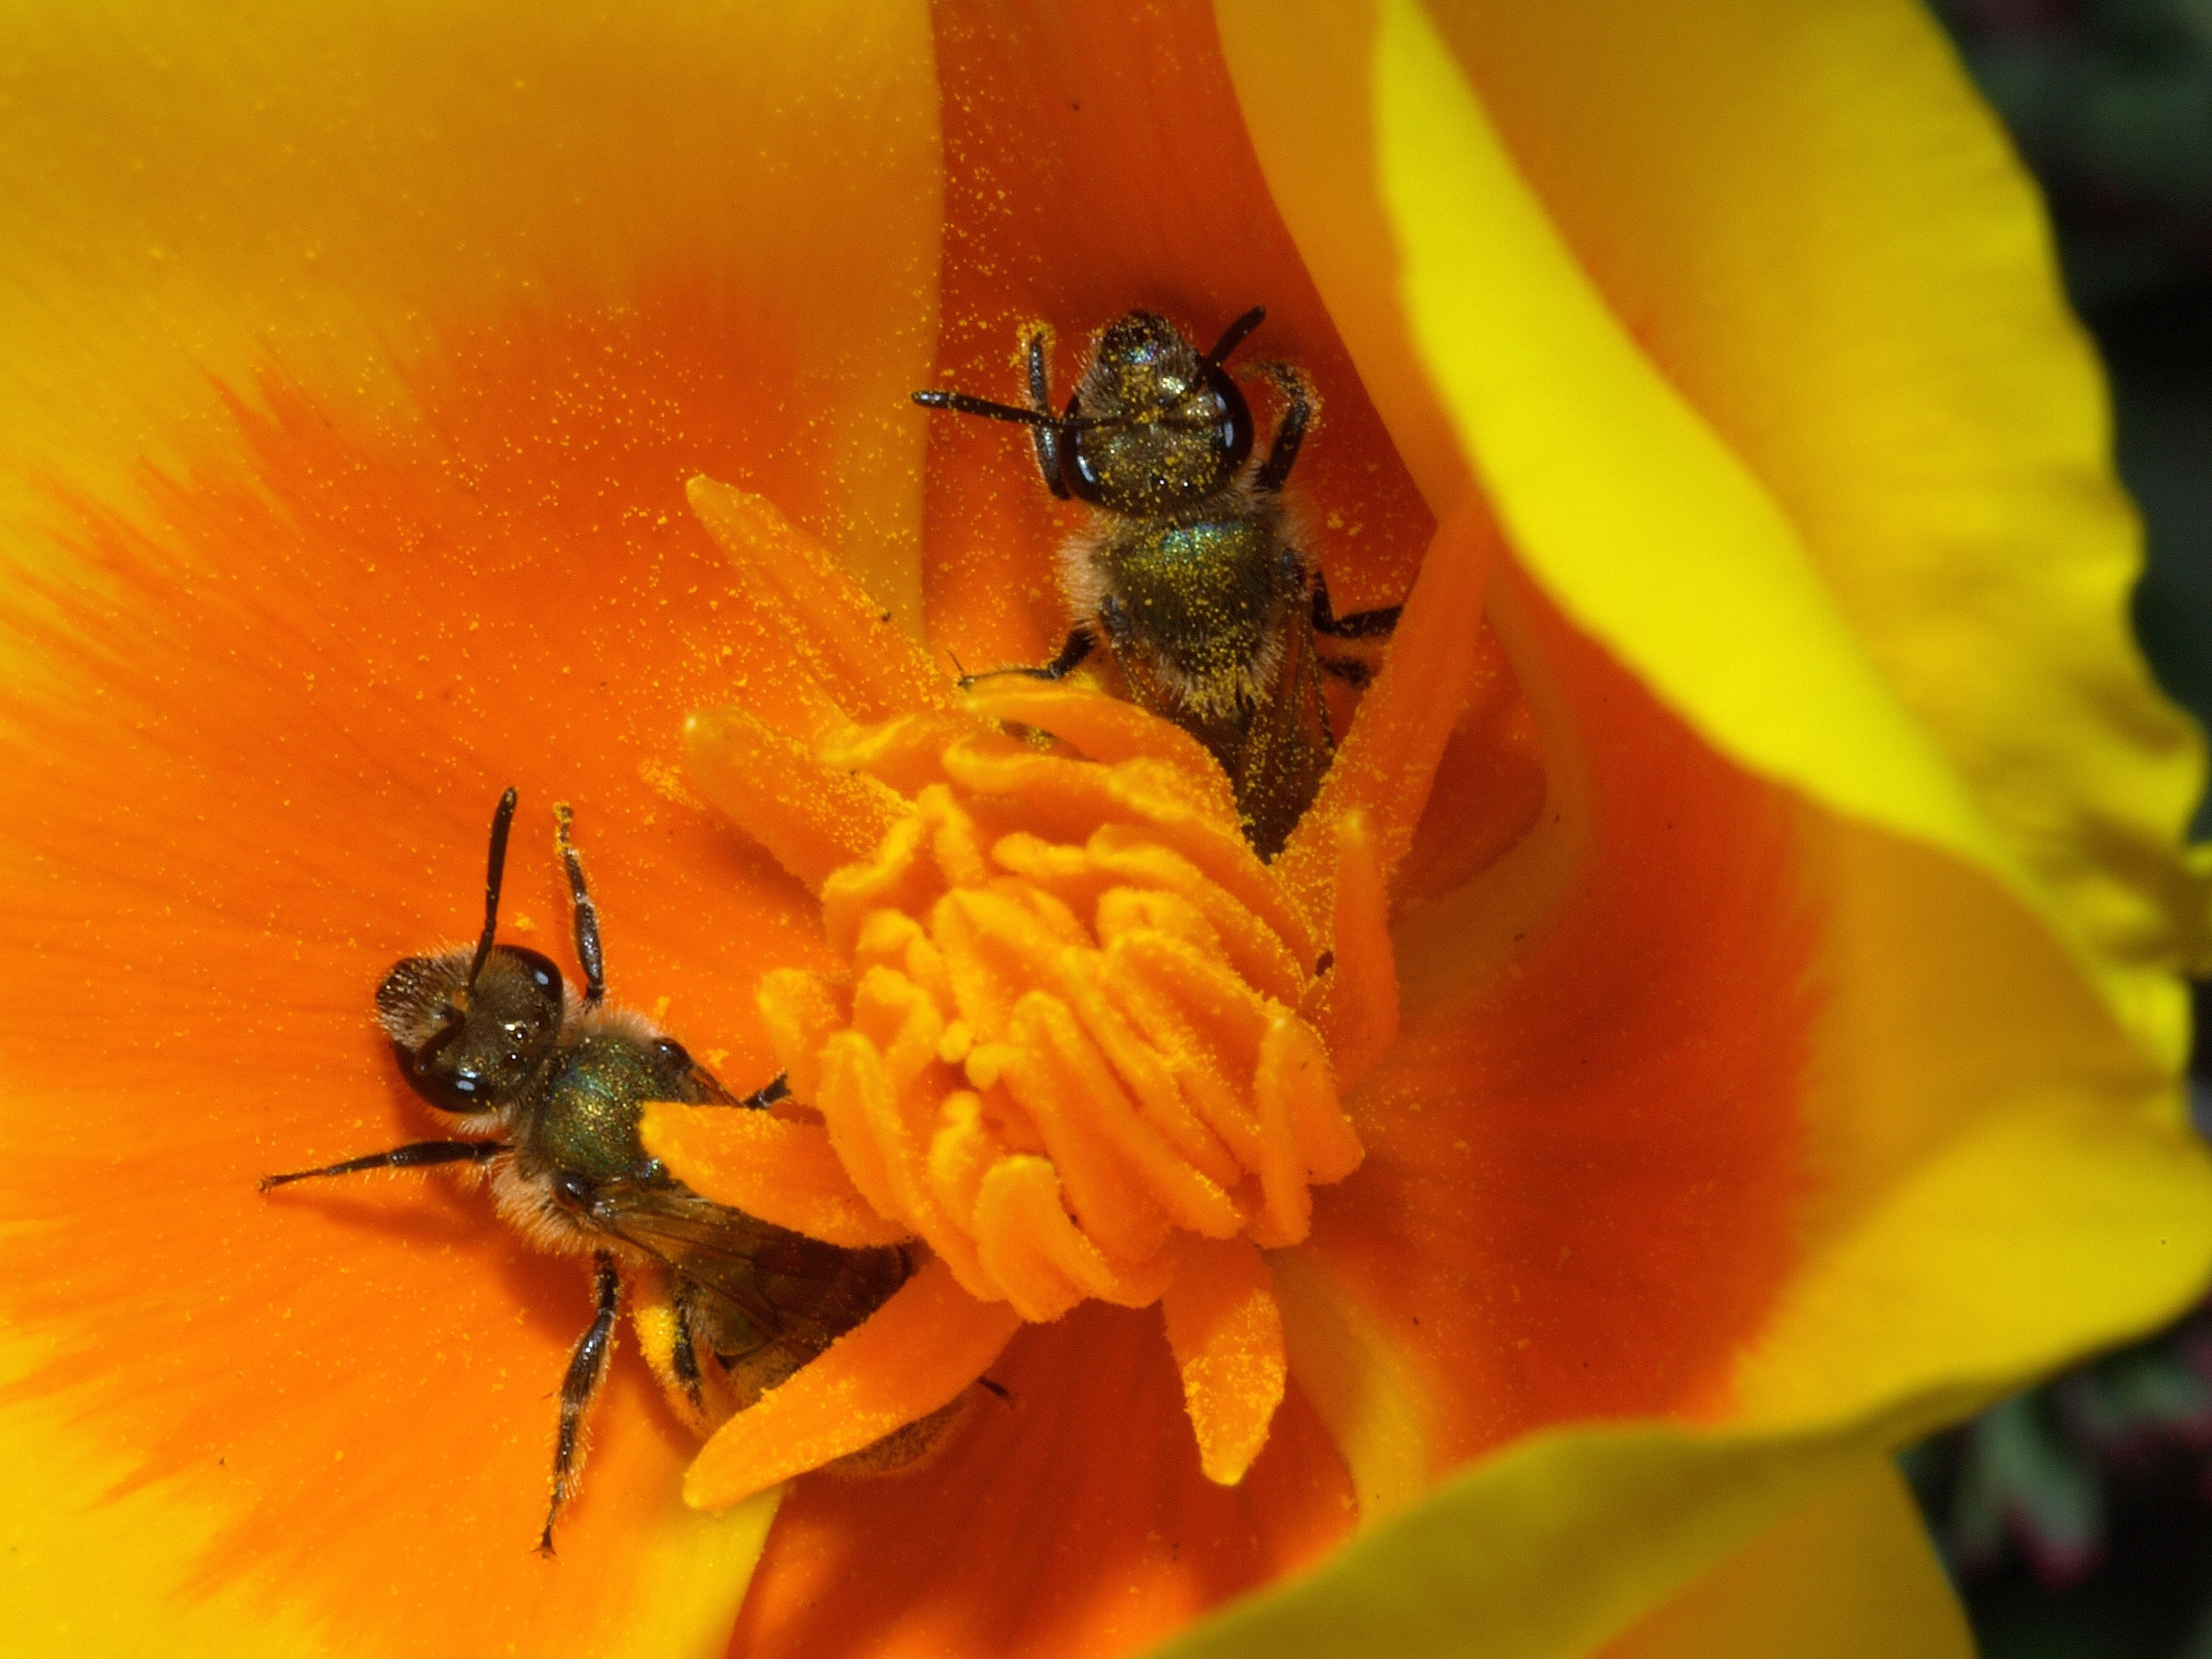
[[1204, 602], [594, 1096]]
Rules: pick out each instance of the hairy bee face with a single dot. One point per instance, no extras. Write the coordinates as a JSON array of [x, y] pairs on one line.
[[470, 1046], [1176, 429]]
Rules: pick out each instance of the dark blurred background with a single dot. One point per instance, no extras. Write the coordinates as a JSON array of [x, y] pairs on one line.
[[2077, 1519]]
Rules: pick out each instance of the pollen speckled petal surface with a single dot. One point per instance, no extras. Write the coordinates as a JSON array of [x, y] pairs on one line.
[[1985, 1088], [1770, 1077], [186, 196], [358, 358]]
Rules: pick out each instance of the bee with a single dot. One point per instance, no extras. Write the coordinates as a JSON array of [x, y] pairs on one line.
[[546, 1087], [1191, 574]]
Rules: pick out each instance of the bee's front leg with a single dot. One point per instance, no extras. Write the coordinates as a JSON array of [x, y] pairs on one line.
[[1036, 348], [587, 1370], [1071, 657], [1299, 405]]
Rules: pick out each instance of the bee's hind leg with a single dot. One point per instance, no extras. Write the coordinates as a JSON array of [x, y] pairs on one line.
[[660, 1312], [587, 1370], [1359, 625]]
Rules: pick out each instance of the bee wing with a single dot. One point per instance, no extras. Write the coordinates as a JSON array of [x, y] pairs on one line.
[[708, 1090], [1289, 744], [788, 1287]]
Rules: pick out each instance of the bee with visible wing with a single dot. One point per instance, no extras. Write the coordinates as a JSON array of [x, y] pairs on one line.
[[1191, 575], [546, 1087]]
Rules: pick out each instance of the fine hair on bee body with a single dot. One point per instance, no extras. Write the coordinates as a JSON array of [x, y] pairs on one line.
[[1192, 572], [545, 1085]]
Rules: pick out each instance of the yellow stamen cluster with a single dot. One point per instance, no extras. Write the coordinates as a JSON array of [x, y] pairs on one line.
[[1071, 1030], [1085, 1043]]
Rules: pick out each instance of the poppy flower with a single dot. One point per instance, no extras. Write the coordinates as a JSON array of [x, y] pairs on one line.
[[1744, 916]]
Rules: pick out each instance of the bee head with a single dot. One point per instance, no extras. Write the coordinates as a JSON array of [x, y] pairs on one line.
[[472, 1027], [467, 1041], [1163, 427]]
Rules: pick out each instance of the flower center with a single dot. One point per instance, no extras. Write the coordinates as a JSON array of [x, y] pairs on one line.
[[1072, 1030], [1084, 1043]]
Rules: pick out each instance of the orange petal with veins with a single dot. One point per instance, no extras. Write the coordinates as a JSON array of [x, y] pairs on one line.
[[912, 1356]]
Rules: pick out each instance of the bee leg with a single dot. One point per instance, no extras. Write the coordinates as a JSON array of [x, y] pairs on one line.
[[661, 1314], [587, 1369], [587, 912], [1037, 343], [416, 1155], [1236, 334], [776, 1088], [1298, 405], [684, 1350], [1360, 625], [1072, 653]]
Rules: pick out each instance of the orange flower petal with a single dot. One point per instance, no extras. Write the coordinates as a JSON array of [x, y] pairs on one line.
[[912, 1356], [1072, 1520], [254, 769], [1489, 788], [777, 1168], [1585, 1152]]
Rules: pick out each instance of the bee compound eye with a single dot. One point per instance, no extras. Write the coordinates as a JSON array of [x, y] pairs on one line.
[[517, 963], [673, 1052], [573, 1191]]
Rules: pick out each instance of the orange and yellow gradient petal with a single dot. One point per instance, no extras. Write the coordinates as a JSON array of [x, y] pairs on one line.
[[1686, 1110], [358, 362]]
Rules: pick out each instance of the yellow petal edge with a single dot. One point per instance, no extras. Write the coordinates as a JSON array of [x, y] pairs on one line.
[[1996, 1114]]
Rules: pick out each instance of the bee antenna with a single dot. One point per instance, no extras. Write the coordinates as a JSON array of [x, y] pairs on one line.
[[503, 820], [1235, 335], [960, 402]]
